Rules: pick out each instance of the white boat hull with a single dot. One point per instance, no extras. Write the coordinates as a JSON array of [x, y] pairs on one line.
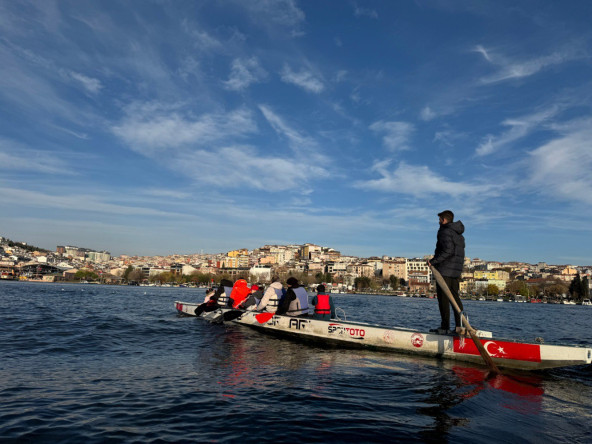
[[504, 353]]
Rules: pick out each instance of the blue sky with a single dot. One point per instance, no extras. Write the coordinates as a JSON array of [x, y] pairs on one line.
[[155, 127]]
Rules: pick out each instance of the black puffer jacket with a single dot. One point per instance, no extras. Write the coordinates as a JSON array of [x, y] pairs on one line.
[[449, 256]]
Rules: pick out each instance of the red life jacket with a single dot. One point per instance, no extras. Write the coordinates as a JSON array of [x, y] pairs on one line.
[[240, 292], [323, 306]]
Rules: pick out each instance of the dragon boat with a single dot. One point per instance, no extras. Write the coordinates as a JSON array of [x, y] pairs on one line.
[[505, 353]]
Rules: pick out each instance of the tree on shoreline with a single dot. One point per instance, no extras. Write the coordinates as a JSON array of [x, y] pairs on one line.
[[578, 288]]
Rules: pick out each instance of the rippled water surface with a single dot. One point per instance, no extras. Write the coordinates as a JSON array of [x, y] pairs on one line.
[[87, 363]]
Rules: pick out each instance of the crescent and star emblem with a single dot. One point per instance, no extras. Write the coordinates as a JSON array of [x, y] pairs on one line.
[[495, 352]]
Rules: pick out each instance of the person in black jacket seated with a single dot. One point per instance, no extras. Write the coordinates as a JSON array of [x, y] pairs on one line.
[[218, 300], [449, 259], [295, 302]]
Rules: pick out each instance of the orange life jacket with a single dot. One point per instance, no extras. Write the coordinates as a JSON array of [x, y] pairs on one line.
[[323, 306]]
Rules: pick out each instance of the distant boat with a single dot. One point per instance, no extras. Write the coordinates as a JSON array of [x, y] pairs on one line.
[[586, 302], [500, 299], [568, 302]]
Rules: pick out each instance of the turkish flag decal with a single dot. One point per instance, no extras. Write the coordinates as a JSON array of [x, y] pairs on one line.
[[500, 349]]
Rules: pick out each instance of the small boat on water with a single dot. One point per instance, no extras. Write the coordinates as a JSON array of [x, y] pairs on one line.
[[506, 354], [586, 302]]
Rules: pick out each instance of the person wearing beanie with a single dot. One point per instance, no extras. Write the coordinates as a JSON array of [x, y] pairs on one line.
[[295, 303], [324, 309], [449, 258]]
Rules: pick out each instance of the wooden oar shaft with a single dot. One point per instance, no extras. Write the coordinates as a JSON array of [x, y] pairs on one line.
[[472, 331]]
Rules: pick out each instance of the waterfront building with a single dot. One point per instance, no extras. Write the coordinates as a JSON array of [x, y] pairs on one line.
[[395, 267], [261, 273]]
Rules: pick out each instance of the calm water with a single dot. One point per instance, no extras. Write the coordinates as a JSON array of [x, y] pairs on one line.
[[84, 363]]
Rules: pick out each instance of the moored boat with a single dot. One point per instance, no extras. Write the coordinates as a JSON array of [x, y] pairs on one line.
[[506, 354]]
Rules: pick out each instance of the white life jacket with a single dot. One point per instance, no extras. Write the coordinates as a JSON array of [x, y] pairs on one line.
[[275, 301], [299, 305], [225, 297]]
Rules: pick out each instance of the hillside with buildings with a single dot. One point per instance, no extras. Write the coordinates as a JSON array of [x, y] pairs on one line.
[[311, 264]]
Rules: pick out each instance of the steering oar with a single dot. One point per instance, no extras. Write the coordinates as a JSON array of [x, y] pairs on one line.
[[488, 361]]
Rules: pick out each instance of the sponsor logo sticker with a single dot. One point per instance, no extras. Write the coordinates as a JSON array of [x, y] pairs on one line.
[[417, 340]]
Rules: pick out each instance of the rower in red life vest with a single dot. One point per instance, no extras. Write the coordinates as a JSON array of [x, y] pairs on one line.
[[240, 292], [323, 305]]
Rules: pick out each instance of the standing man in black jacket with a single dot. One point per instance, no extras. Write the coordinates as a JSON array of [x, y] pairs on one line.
[[449, 259]]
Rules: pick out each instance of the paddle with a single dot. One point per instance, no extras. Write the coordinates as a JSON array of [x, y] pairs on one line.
[[262, 318], [492, 367], [232, 315]]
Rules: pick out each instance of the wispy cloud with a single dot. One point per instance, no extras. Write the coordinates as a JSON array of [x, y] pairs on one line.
[[418, 181], [244, 73], [74, 202], [427, 114], [396, 134], [285, 15], [302, 144], [249, 169], [518, 128], [561, 167], [152, 127], [516, 69], [305, 79], [15, 157], [365, 12], [90, 84]]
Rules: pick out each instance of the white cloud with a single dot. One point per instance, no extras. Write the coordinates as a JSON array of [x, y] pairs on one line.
[[396, 135], [519, 128], [365, 12], [249, 169], [90, 84], [305, 79], [152, 127], [516, 69], [480, 49], [561, 168], [200, 38], [75, 202], [341, 75], [14, 157], [282, 128], [418, 181], [244, 73], [427, 114]]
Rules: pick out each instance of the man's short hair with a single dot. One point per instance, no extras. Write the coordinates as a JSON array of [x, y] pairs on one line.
[[447, 214]]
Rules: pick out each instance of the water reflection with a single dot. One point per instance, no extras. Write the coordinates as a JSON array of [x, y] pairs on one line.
[[518, 392]]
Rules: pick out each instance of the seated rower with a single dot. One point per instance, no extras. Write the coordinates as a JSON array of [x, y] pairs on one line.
[[323, 305], [295, 303], [208, 303], [240, 292], [272, 296], [217, 300]]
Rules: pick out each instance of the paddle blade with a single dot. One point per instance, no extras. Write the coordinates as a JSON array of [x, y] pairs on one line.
[[232, 315], [262, 318]]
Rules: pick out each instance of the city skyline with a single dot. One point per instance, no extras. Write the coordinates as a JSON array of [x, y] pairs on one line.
[[177, 127], [61, 249]]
